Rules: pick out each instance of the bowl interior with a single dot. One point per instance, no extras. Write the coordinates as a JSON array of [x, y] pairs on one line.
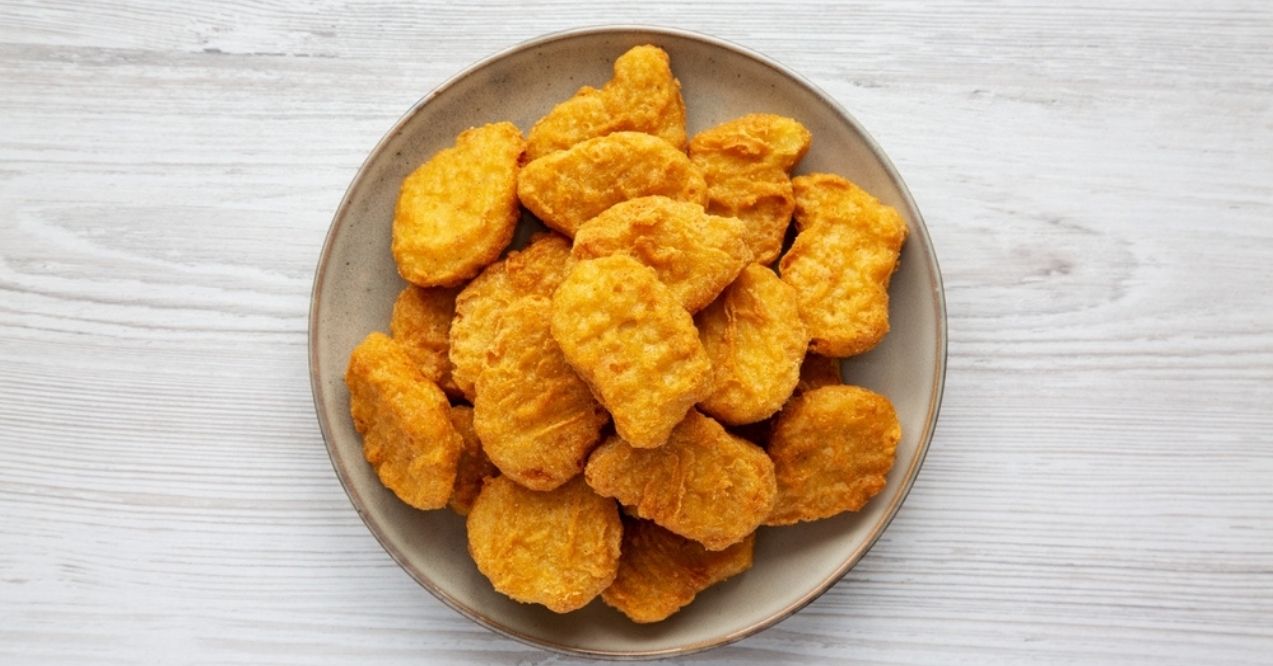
[[356, 284]]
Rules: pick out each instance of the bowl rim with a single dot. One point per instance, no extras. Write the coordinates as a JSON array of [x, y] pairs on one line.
[[907, 483]]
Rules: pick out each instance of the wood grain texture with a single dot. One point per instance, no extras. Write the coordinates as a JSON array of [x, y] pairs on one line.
[[1098, 182]]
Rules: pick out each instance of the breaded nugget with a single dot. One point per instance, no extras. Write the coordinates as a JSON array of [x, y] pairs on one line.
[[558, 548], [421, 323], [661, 572], [405, 422], [832, 449], [535, 270], [643, 96], [841, 263], [569, 187], [695, 254], [473, 468], [458, 211], [756, 341], [746, 162], [704, 484], [537, 419], [625, 334], [818, 371]]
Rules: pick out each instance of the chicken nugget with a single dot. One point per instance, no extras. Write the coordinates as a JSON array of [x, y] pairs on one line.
[[756, 341], [747, 162], [405, 422], [661, 572], [703, 484], [695, 254], [535, 270], [832, 449], [458, 211], [818, 371], [626, 335], [537, 419], [841, 263], [558, 548], [421, 323], [643, 96], [569, 187], [473, 468]]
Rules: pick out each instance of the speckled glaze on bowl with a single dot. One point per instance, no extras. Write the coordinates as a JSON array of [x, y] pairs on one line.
[[355, 285]]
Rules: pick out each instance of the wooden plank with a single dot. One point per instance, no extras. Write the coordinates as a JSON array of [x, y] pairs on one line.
[[1097, 181]]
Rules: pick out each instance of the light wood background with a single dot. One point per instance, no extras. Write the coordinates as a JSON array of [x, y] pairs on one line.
[[1098, 183]]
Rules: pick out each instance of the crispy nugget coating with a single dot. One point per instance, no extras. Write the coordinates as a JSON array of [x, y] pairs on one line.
[[704, 484], [625, 334], [818, 371], [405, 422], [695, 254], [558, 548], [832, 449], [458, 211], [421, 323], [473, 468], [536, 270], [756, 341], [569, 187], [747, 162], [643, 96], [661, 572], [537, 419], [841, 263]]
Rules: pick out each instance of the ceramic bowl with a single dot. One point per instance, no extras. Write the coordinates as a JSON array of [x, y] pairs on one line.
[[355, 286]]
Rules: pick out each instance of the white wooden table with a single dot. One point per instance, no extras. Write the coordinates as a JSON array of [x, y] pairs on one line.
[[1098, 183]]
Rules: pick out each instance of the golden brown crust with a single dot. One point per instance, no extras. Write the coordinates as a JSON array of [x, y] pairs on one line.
[[832, 449], [841, 263], [746, 162], [473, 468], [421, 323], [536, 417], [756, 341], [558, 548], [569, 187], [643, 96], [703, 484], [695, 254], [661, 572], [405, 422], [457, 212], [625, 334], [536, 270], [818, 371]]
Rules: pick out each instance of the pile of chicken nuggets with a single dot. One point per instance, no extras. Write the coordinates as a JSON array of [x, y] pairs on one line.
[[619, 405]]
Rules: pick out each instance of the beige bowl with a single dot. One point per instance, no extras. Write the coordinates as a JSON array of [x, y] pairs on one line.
[[356, 283]]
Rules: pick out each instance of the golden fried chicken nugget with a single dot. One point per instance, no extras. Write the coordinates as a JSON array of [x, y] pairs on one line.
[[421, 323], [535, 270], [841, 263], [818, 371], [756, 341], [405, 422], [625, 334], [558, 548], [458, 211], [832, 449], [704, 484], [747, 162], [695, 254], [537, 419], [643, 96], [569, 187], [473, 468], [661, 572]]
